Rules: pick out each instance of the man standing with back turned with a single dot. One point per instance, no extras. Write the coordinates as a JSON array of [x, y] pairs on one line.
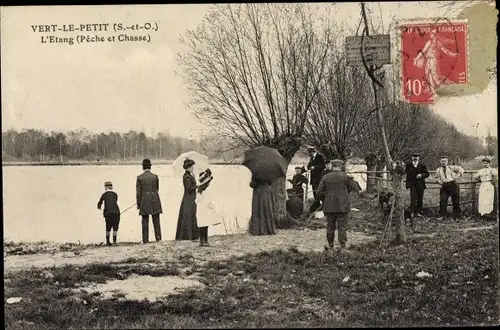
[[334, 190], [148, 201], [416, 173]]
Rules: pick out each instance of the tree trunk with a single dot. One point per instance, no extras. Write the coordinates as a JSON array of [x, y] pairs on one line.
[[371, 165], [279, 188], [287, 146], [381, 182], [397, 170], [397, 183]]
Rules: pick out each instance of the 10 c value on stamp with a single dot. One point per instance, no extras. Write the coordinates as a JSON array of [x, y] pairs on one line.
[[433, 55]]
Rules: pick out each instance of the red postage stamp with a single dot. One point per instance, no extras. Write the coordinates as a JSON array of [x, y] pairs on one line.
[[433, 55]]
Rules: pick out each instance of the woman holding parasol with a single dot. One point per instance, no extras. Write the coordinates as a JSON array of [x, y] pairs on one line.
[[187, 164], [266, 165], [187, 226]]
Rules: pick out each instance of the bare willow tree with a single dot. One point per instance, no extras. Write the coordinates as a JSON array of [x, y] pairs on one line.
[[254, 70], [338, 113]]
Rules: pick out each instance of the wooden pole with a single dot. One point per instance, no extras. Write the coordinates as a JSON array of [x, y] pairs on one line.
[[396, 171], [306, 193]]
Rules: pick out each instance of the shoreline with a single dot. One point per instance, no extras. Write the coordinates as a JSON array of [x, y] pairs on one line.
[[225, 246], [114, 163], [100, 163]]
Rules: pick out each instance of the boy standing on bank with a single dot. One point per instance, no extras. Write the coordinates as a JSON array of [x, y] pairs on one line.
[[111, 211]]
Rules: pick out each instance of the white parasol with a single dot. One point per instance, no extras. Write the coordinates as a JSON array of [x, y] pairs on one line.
[[201, 162]]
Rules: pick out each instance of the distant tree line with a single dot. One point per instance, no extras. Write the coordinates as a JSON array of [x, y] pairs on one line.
[[38, 145]]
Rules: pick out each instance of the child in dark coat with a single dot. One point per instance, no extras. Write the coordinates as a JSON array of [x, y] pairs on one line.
[[111, 211], [297, 181]]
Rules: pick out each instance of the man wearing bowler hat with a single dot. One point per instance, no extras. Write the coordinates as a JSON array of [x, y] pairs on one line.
[[316, 166], [334, 190], [416, 173], [148, 201]]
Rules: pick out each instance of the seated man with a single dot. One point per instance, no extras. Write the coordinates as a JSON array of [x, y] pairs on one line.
[[294, 204]]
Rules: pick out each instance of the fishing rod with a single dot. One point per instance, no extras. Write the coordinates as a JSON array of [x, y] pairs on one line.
[[128, 208]]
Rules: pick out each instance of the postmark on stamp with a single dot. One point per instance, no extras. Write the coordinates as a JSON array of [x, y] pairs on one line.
[[434, 54]]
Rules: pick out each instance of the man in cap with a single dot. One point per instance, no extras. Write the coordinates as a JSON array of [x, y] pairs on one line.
[[416, 173], [148, 201], [316, 166], [334, 191]]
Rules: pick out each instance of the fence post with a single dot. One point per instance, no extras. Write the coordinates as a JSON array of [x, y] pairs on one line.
[[304, 197], [474, 204]]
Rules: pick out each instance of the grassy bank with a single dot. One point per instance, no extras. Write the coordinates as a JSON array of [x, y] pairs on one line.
[[25, 248], [284, 288]]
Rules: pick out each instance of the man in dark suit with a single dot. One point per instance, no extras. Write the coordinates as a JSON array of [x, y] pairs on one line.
[[316, 167], [334, 191], [148, 201], [416, 173]]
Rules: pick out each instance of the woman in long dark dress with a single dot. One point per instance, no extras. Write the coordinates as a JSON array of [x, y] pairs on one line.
[[187, 226], [263, 220]]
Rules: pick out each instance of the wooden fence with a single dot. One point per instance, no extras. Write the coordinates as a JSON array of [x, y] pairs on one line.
[[467, 179]]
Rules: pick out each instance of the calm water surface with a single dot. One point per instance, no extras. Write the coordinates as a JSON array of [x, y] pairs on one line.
[[59, 203]]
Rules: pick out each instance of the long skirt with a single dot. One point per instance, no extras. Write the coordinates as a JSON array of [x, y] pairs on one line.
[[486, 198], [187, 226], [206, 212], [263, 220]]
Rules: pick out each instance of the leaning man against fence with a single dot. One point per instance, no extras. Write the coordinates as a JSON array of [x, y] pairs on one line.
[[446, 176], [334, 190]]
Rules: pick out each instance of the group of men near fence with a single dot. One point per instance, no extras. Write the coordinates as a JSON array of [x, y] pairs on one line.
[[331, 188]]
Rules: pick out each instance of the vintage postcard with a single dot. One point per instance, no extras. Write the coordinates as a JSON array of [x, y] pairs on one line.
[[250, 165]]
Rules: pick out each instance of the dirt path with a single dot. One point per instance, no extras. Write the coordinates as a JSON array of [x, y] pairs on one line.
[[223, 247]]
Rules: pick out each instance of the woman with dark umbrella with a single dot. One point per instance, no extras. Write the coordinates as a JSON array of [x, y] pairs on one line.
[[187, 226], [263, 219]]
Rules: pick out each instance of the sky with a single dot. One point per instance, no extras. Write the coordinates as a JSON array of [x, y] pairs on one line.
[[120, 86]]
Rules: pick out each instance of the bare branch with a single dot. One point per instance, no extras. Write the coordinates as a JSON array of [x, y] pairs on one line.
[[254, 70]]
